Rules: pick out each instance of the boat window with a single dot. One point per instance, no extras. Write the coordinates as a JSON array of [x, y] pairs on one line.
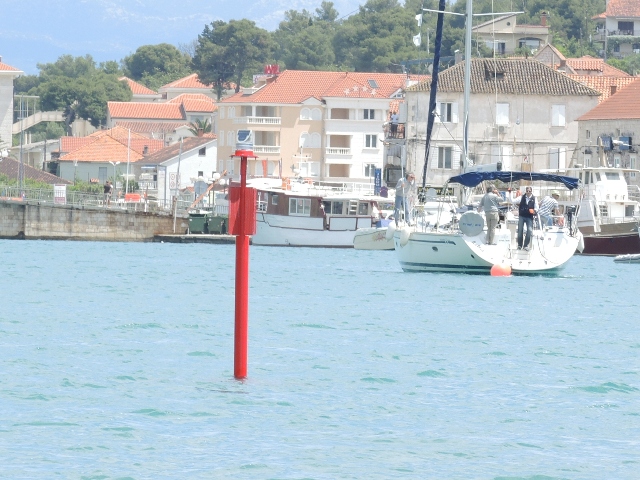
[[300, 206], [363, 208], [274, 199], [337, 208], [597, 177], [612, 175], [327, 206]]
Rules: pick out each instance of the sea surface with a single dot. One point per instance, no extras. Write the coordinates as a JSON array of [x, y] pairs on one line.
[[116, 362]]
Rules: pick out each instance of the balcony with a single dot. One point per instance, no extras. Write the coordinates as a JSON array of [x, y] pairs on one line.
[[257, 120], [338, 151], [266, 149]]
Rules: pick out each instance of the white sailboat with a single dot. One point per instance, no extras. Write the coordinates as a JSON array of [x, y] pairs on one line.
[[461, 245]]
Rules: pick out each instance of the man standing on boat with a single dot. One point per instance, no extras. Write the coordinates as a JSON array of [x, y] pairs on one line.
[[526, 211], [490, 203], [405, 189], [548, 207]]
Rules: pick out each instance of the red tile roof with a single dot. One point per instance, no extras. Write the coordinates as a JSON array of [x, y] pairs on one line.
[[172, 151], [8, 68], [103, 149], [623, 8], [596, 65], [140, 110], [11, 167], [137, 88], [603, 83], [625, 104], [296, 86], [190, 81], [195, 102], [147, 128]]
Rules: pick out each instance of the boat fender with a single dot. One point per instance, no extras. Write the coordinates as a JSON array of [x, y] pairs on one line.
[[391, 229], [580, 242], [404, 236]]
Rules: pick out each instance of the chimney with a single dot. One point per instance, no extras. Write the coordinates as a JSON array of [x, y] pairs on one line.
[[145, 150], [613, 89], [200, 132], [543, 19]]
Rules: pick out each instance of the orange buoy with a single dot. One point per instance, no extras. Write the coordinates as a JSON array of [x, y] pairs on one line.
[[500, 270]]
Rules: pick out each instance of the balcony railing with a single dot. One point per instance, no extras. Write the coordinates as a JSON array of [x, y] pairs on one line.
[[338, 151], [266, 149], [257, 120], [145, 185]]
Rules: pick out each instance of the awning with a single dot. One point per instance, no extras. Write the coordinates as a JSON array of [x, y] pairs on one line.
[[472, 179]]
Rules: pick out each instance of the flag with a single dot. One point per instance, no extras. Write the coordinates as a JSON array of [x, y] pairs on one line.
[[416, 40], [419, 19]]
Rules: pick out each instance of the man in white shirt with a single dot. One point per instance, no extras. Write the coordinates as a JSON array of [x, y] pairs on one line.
[[405, 188]]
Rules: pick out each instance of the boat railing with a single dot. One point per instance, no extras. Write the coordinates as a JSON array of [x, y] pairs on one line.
[[633, 192]]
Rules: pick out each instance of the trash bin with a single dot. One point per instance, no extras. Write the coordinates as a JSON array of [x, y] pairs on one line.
[[197, 222], [217, 224]]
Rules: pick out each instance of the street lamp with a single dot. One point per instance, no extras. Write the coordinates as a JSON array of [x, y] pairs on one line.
[[114, 169]]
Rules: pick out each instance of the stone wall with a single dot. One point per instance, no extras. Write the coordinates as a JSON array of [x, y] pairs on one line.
[[32, 221]]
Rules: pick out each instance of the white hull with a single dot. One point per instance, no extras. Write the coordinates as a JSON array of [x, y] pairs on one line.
[[372, 239], [279, 230], [442, 251]]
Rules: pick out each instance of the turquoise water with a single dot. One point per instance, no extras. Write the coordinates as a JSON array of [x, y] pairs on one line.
[[116, 361]]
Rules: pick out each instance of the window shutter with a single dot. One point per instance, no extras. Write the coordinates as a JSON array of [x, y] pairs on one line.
[[454, 112]]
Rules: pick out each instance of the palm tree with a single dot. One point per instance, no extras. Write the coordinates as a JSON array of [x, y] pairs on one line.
[[198, 126]]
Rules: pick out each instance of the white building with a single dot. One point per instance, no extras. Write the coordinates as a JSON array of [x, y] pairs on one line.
[[522, 114]]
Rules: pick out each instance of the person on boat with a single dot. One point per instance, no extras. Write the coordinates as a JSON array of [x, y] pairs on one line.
[[528, 207], [548, 207], [489, 204], [405, 188]]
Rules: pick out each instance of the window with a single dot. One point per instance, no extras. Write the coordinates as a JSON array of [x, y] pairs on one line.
[[102, 174], [202, 152], [557, 158], [309, 169], [616, 161], [310, 140], [221, 138], [371, 141], [558, 116], [232, 112], [222, 114], [444, 157], [231, 141], [588, 134], [300, 206], [337, 207], [633, 166], [370, 170], [369, 114], [363, 208], [612, 175], [502, 114], [230, 164], [274, 199], [305, 114], [587, 160], [200, 173]]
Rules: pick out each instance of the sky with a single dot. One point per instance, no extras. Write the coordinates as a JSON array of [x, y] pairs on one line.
[[40, 31]]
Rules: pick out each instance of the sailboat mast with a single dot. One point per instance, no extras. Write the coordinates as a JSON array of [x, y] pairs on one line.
[[467, 85], [434, 86]]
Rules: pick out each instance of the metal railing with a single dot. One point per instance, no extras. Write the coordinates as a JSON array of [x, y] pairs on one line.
[[338, 151], [257, 120], [92, 200]]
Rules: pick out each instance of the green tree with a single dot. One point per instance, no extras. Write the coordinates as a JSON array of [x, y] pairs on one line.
[[150, 60], [231, 52], [304, 41], [79, 89], [204, 125], [378, 37]]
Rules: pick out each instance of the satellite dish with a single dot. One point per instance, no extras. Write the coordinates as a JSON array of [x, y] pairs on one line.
[[471, 223]]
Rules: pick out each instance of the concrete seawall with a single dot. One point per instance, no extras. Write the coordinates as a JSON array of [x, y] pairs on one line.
[[31, 220]]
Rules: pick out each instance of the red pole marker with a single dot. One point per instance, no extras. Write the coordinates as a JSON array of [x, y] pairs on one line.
[[242, 224]]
